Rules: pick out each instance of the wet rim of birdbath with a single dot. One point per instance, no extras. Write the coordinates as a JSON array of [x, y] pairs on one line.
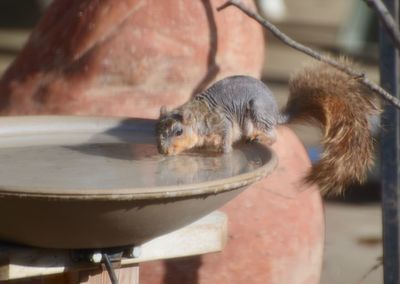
[[36, 125]]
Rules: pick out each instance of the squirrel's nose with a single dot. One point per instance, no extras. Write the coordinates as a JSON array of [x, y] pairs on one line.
[[161, 149]]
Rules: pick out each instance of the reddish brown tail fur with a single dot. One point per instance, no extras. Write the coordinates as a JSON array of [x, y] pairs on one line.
[[342, 105]]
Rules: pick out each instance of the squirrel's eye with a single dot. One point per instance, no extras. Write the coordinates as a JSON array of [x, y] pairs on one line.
[[179, 132]]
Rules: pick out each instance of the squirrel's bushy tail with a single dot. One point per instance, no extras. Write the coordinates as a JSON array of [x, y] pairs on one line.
[[342, 106]]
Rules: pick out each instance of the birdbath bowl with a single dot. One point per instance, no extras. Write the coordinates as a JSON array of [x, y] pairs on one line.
[[91, 182]]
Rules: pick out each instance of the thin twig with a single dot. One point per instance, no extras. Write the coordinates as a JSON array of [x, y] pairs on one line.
[[379, 263], [307, 50], [386, 19]]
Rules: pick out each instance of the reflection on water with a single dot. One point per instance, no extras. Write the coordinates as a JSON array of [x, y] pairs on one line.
[[119, 165], [195, 168]]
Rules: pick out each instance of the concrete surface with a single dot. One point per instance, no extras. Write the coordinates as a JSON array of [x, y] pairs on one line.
[[353, 244]]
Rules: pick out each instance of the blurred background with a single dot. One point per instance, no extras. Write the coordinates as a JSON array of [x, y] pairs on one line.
[[353, 222]]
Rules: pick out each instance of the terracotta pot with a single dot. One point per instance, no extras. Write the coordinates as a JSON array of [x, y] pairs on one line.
[[128, 57], [276, 232]]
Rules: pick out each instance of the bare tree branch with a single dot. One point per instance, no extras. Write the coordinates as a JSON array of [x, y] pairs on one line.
[[386, 19], [316, 55]]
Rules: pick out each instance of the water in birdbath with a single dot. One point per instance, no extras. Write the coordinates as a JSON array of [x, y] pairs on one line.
[[94, 166]]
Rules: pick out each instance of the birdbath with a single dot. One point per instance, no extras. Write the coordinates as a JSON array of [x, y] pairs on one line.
[[76, 191]]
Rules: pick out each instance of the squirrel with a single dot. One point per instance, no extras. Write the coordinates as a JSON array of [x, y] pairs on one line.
[[243, 108]]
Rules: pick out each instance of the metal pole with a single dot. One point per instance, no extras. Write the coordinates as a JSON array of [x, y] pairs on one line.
[[390, 153]]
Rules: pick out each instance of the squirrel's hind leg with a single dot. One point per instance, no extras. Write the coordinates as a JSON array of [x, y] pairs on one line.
[[270, 136], [260, 124], [258, 133], [263, 136]]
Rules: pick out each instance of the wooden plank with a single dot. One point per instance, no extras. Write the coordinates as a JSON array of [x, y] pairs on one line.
[[315, 12], [5, 61], [282, 61], [125, 275], [203, 236], [12, 40]]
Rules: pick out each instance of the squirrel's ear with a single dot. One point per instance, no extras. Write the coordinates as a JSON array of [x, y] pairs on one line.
[[187, 117], [163, 111]]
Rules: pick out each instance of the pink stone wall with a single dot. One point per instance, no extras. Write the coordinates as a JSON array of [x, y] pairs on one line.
[[127, 57]]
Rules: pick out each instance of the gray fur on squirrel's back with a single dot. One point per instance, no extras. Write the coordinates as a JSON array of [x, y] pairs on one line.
[[236, 94]]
